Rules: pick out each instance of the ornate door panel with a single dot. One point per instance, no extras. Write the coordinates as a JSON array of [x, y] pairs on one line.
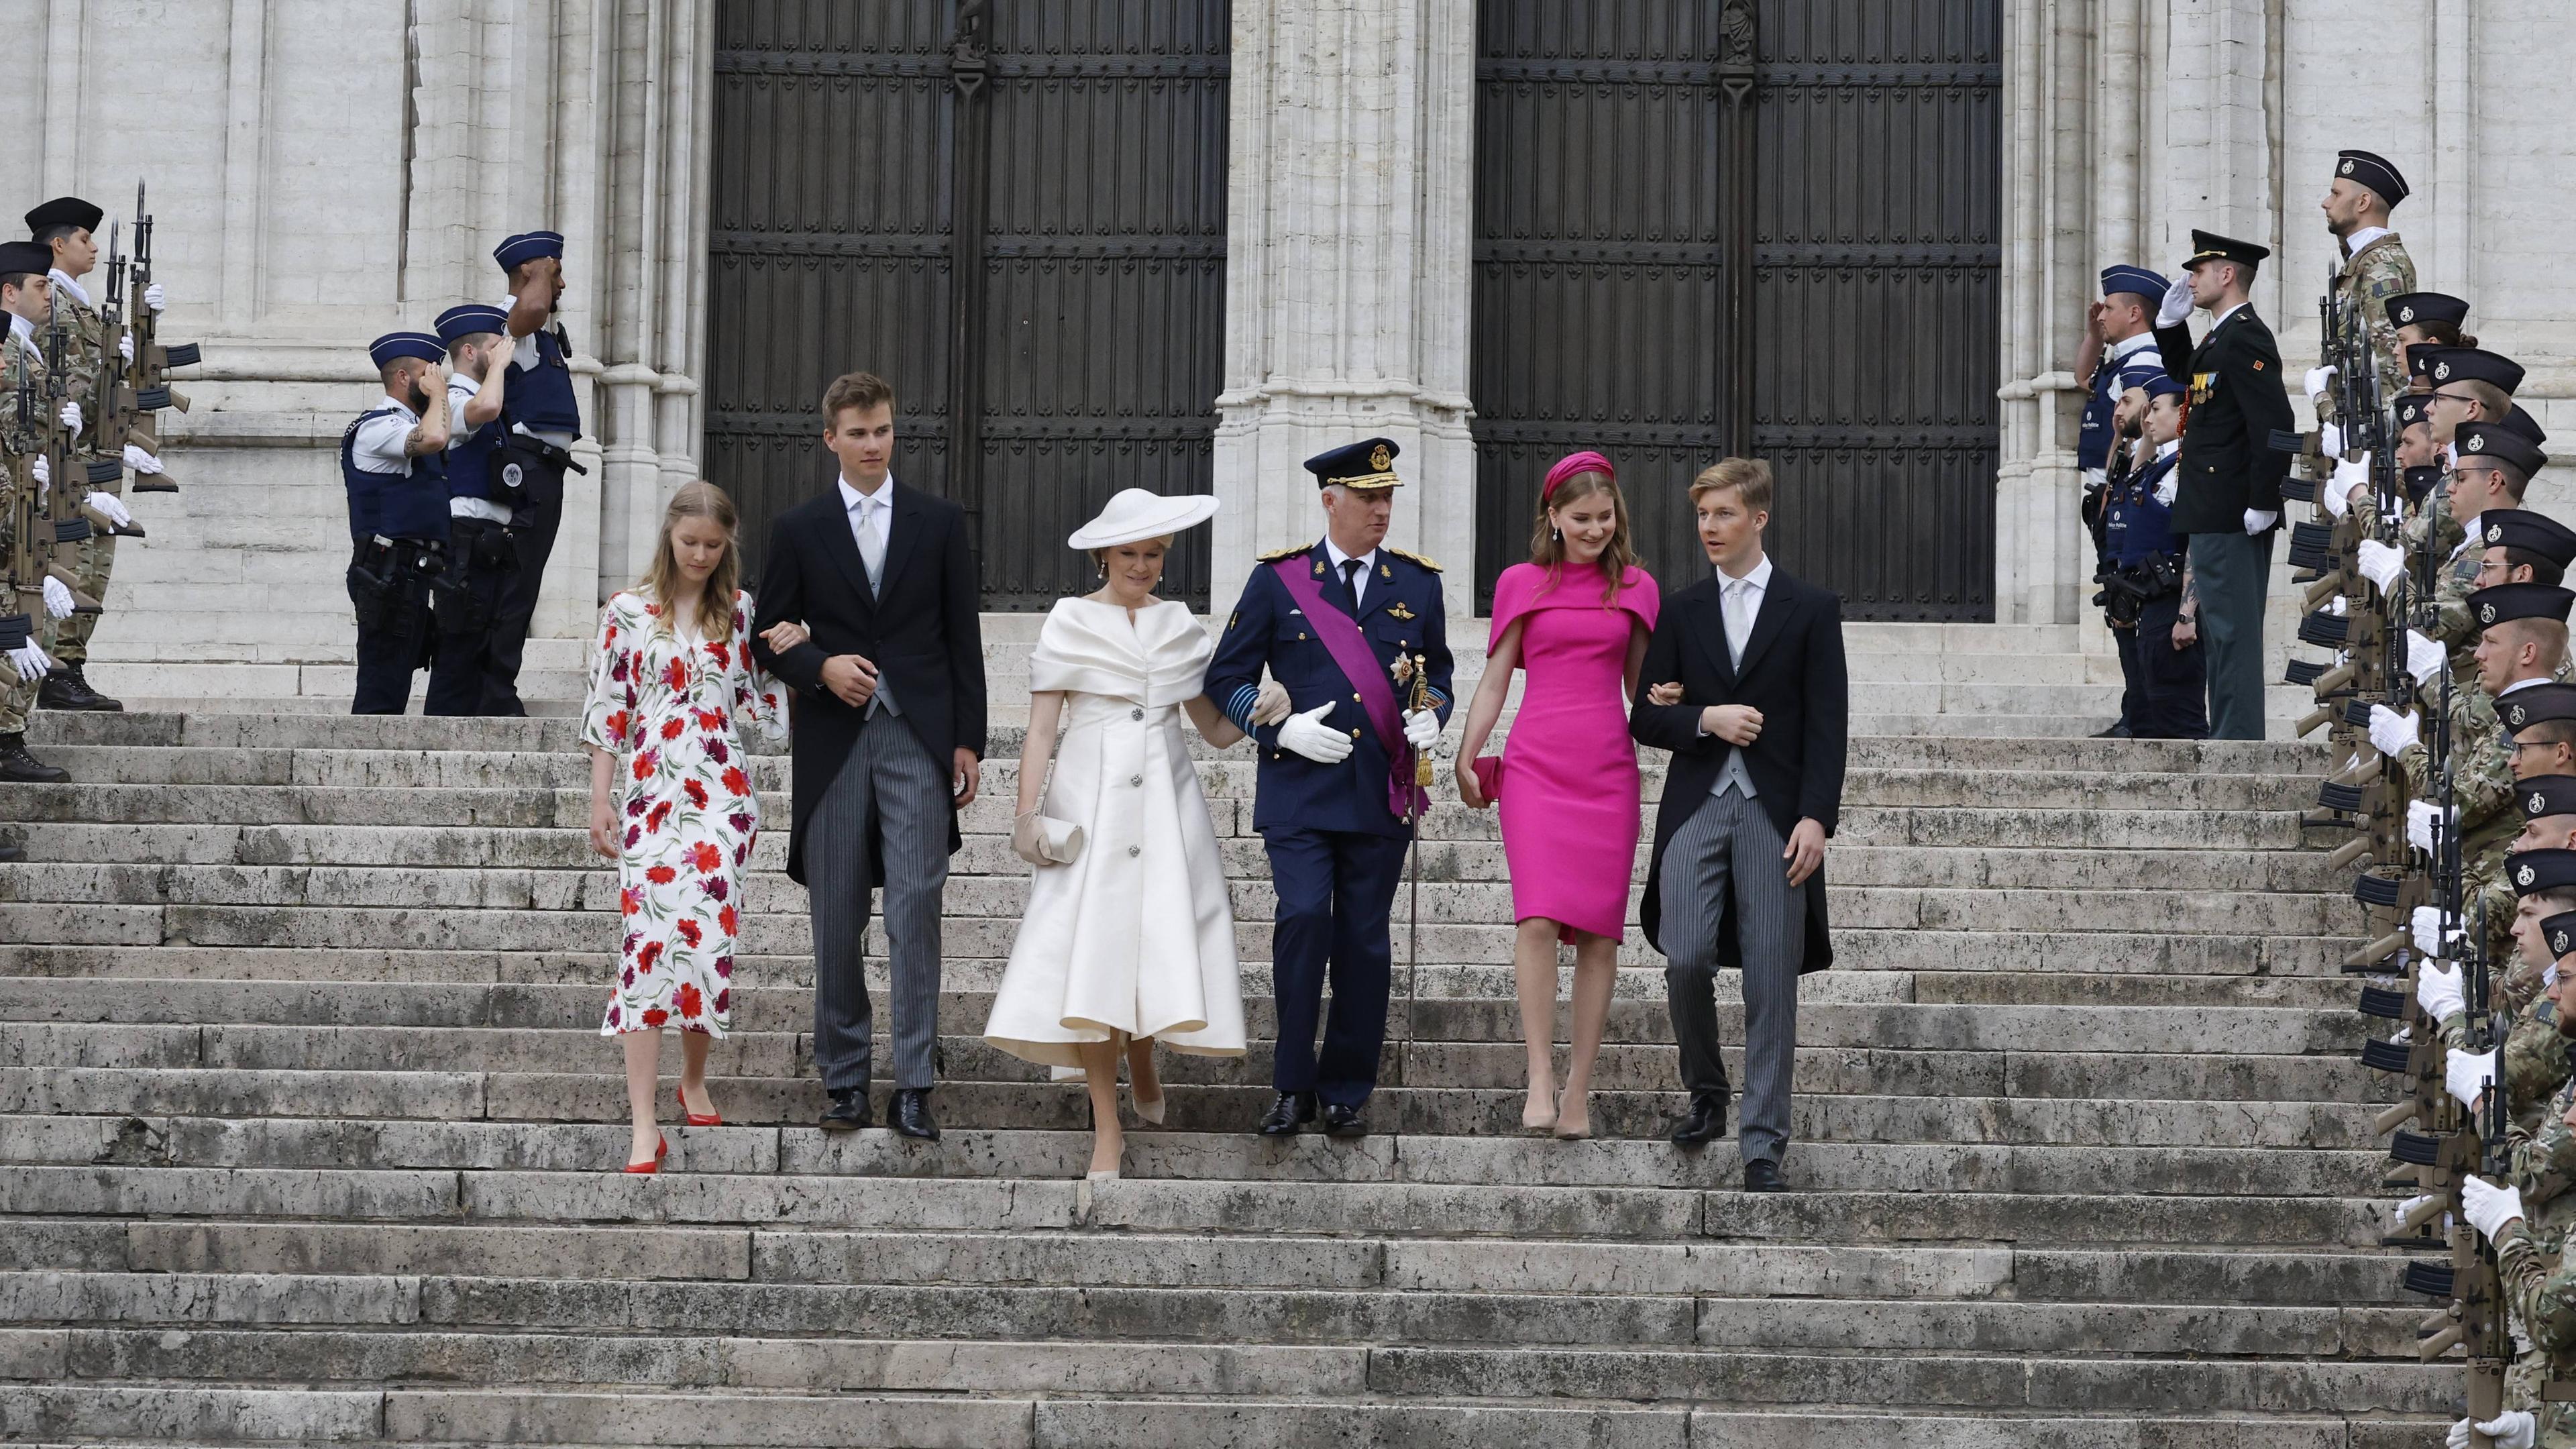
[[1770, 228], [1066, 159]]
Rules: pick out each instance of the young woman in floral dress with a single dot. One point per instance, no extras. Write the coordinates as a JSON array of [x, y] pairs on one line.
[[671, 797]]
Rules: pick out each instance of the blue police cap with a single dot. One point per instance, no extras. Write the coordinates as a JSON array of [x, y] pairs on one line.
[[527, 247], [394, 345], [2164, 384], [461, 322], [1368, 463], [2136, 280]]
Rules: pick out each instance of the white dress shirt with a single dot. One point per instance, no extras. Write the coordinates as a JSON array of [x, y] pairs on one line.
[[2353, 244], [871, 526], [460, 391], [1739, 604], [1360, 581]]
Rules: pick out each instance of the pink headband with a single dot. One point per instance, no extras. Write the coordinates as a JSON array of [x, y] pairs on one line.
[[1572, 464]]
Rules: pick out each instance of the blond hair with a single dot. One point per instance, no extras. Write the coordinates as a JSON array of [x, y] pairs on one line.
[[1749, 477], [700, 499], [1547, 545]]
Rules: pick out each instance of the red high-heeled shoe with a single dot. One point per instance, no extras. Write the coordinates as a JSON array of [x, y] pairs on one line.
[[661, 1149], [712, 1119]]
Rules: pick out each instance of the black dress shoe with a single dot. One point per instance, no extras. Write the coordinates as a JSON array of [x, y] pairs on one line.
[[66, 688], [909, 1114], [1288, 1112], [2117, 731], [20, 768], [1706, 1122], [1763, 1175], [848, 1112], [1341, 1121]]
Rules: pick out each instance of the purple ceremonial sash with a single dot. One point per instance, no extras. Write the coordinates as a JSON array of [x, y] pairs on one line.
[[1350, 649]]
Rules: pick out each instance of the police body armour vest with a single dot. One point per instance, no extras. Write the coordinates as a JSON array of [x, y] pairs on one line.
[[396, 505], [541, 398]]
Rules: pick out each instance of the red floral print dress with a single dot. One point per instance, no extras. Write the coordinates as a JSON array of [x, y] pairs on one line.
[[664, 705]]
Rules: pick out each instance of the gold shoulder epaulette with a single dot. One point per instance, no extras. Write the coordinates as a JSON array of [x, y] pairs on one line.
[[1415, 557], [1276, 554]]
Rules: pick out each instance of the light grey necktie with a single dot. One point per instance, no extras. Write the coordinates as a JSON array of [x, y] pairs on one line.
[[872, 541], [1732, 607]]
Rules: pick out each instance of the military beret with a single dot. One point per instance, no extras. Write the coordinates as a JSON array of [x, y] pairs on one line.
[[2536, 704], [386, 349], [1368, 463], [2420, 480], [2534, 871], [2559, 931], [527, 247], [25, 256], [2209, 246], [65, 211], [2496, 443], [2548, 795], [2135, 280], [2414, 309], [2503, 603], [461, 322], [2374, 172], [2410, 410], [2531, 532], [2524, 425], [2476, 364]]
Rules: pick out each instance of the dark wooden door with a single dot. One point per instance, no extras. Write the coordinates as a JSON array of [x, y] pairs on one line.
[[1772, 228], [1012, 209]]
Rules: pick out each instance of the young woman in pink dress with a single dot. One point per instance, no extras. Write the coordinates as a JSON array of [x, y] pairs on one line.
[[1576, 617]]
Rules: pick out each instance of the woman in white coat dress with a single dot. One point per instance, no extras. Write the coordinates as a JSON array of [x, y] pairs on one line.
[[1130, 940]]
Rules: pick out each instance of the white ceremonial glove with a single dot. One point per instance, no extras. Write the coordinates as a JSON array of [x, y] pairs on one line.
[[31, 661], [2335, 499], [1308, 735], [125, 345], [58, 600], [2352, 476], [1422, 729], [2177, 303], [112, 506], [2467, 1077], [2426, 927], [2437, 987], [2419, 834], [2500, 1431], [2488, 1208], [141, 461], [42, 472], [2259, 519], [71, 416], [2423, 656], [2391, 732], [2339, 606], [2381, 563], [2330, 440], [157, 298], [2319, 379]]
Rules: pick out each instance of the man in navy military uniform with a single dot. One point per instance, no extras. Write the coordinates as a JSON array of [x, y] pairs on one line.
[[542, 418], [1331, 620]]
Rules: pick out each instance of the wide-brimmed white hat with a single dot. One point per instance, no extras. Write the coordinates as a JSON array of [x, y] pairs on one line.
[[1135, 515]]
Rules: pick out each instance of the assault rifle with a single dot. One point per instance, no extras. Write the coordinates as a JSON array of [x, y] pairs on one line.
[[147, 378], [122, 416], [66, 500], [27, 567]]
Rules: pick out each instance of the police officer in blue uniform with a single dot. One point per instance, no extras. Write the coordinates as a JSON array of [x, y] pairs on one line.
[[2146, 588], [482, 556], [2123, 323], [542, 418], [393, 463], [1331, 620]]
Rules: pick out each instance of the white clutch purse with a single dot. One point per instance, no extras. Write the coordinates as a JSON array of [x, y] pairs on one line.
[[1043, 841]]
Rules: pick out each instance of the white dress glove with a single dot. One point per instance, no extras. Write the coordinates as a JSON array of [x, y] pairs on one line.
[[2330, 439], [2423, 656], [42, 471], [2334, 498], [2426, 926], [31, 661], [2339, 606], [2381, 563], [2437, 987], [1308, 735], [2467, 1076], [2319, 379], [125, 345], [1422, 728], [2391, 732], [2259, 519], [58, 600], [113, 507], [2419, 831], [2512, 1429], [2177, 303], [71, 416], [2488, 1207], [157, 298], [141, 461]]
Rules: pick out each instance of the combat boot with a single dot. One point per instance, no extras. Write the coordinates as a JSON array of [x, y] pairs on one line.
[[65, 687], [20, 768]]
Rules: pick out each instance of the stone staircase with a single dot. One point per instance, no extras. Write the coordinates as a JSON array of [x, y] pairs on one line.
[[308, 1137]]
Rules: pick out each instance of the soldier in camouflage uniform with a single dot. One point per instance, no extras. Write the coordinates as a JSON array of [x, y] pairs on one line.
[[2374, 267], [2495, 467], [26, 297], [64, 226]]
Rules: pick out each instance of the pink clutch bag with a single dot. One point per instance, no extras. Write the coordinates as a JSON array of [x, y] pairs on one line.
[[1489, 775]]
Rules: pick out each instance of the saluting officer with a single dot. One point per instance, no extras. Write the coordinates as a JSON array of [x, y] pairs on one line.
[[2160, 647], [393, 462], [482, 556], [1330, 620], [2374, 266], [543, 418], [26, 298]]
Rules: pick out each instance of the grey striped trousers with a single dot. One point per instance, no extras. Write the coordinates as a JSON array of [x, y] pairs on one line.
[[1730, 846], [891, 787]]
